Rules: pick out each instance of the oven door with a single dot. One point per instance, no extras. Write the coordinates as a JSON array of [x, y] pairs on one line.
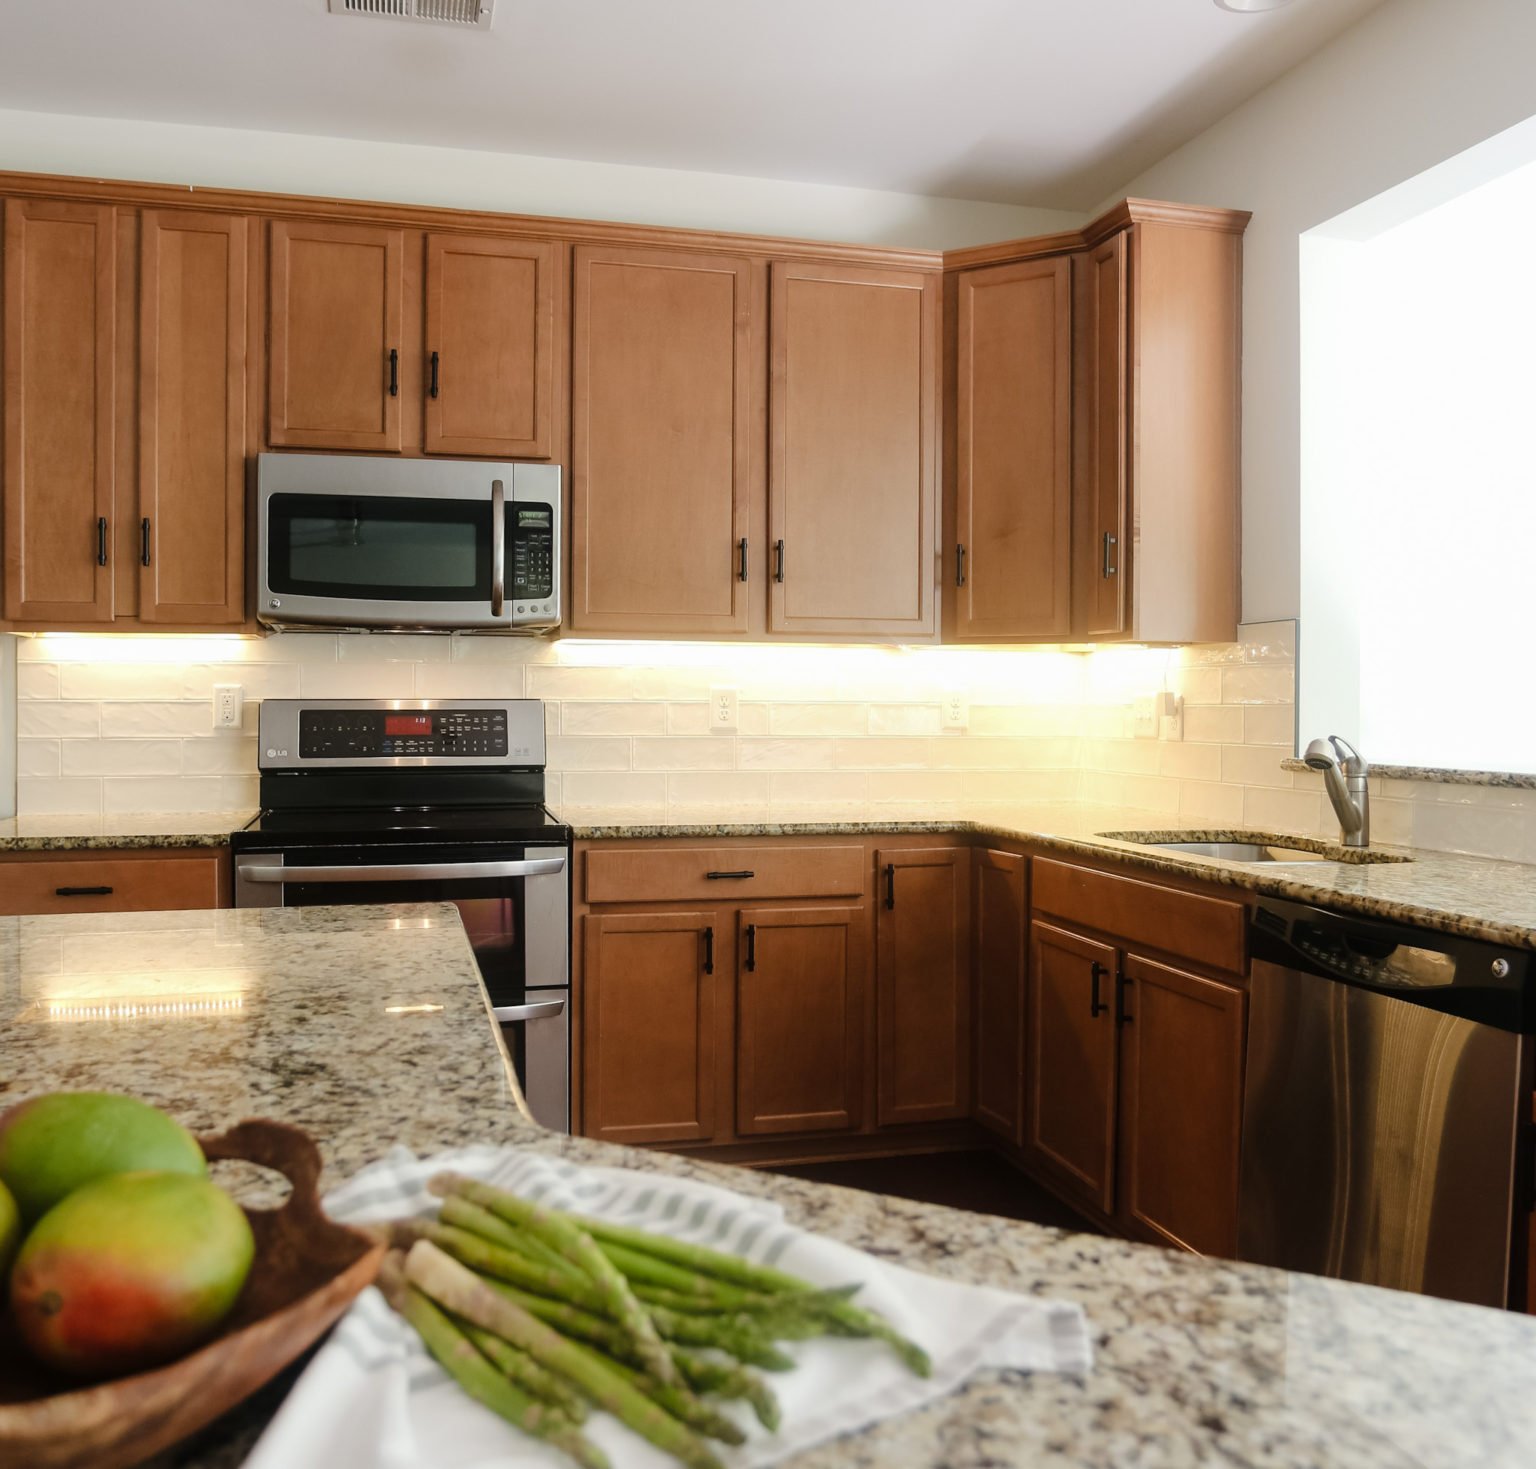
[[515, 905]]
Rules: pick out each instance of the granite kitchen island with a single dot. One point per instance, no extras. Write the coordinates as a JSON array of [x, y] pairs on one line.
[[369, 1027]]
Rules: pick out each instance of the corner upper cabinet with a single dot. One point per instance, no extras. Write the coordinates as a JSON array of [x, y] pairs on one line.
[[1010, 562], [1158, 337], [59, 422], [335, 352], [489, 373], [852, 453], [192, 416], [665, 463]]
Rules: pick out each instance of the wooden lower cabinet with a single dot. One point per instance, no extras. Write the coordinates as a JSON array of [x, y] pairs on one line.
[[113, 882], [999, 938], [799, 1020], [651, 1011]]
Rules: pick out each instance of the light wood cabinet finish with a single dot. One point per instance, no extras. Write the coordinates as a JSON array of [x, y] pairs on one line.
[[723, 874], [59, 384], [122, 882], [852, 446], [650, 1004], [192, 423], [923, 983], [1182, 1040], [335, 318], [663, 468], [1000, 939], [1011, 559], [1073, 1076], [799, 1009], [490, 345]]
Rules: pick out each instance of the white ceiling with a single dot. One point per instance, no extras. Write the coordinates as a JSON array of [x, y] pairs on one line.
[[1048, 102]]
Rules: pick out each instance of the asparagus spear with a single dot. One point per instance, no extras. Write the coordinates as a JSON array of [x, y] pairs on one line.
[[527, 1374], [681, 1404], [459, 1290], [577, 1246], [727, 1380], [464, 1215], [505, 1265], [478, 1377], [740, 1336], [646, 1269]]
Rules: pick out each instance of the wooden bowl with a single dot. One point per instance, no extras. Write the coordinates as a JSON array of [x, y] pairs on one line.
[[308, 1270]]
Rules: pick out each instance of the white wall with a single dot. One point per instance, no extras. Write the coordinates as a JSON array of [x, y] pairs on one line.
[[1412, 84], [293, 163]]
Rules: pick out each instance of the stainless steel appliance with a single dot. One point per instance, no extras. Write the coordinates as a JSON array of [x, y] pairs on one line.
[[1382, 1136], [428, 800], [441, 545]]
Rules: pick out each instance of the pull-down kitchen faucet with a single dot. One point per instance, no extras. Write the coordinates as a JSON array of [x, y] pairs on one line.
[[1349, 791]]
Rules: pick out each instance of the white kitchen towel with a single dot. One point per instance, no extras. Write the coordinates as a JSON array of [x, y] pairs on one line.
[[373, 1399]]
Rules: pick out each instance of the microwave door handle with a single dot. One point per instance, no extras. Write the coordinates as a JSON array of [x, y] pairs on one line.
[[544, 1010], [407, 872], [498, 547]]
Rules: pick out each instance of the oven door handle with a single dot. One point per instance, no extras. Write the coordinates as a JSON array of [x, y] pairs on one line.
[[544, 1010], [407, 872]]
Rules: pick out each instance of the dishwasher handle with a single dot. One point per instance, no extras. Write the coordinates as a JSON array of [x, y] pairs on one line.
[[405, 872], [541, 1010]]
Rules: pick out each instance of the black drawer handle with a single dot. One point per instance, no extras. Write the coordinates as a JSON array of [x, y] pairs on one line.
[[144, 541], [709, 951], [394, 372], [778, 559], [751, 961], [716, 876], [742, 547], [82, 892], [890, 884], [101, 540], [432, 391], [959, 565], [1095, 1007]]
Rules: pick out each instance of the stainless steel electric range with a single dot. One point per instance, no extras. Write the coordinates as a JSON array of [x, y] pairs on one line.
[[428, 800]]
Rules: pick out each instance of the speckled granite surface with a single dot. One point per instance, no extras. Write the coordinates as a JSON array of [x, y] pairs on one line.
[[119, 832], [1438, 775], [1198, 1362], [1474, 896]]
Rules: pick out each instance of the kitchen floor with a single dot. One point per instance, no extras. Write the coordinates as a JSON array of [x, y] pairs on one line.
[[979, 1181]]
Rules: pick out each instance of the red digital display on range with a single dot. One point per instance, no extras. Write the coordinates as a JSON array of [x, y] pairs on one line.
[[407, 724]]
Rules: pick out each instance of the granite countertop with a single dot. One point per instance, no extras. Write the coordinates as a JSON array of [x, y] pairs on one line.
[[368, 1026], [120, 832]]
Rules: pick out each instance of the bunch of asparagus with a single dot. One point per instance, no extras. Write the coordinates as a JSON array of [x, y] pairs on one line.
[[540, 1314]]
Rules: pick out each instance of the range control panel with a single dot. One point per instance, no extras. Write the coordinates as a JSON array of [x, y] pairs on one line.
[[363, 732]]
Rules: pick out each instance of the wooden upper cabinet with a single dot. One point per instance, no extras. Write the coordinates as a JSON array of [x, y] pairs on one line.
[[1011, 561], [649, 1026], [1104, 553], [923, 984], [664, 464], [59, 386], [800, 1009], [852, 450], [1070, 1114], [490, 345], [1181, 1105], [192, 416], [334, 336], [1000, 938]]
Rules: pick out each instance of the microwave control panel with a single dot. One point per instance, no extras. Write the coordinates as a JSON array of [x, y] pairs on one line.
[[533, 552], [392, 734]]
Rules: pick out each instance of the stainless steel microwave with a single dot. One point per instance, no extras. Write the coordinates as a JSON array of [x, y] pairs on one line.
[[437, 545]]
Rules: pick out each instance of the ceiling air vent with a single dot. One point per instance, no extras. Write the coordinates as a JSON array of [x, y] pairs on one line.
[[466, 14]]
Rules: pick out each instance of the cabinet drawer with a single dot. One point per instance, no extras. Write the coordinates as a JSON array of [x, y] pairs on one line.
[[726, 873], [1207, 930], [110, 885]]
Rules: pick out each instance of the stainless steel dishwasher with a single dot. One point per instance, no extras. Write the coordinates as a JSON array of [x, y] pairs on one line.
[[1382, 1115]]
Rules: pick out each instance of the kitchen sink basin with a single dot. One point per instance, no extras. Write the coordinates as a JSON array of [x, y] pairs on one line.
[[1262, 850], [1241, 851]]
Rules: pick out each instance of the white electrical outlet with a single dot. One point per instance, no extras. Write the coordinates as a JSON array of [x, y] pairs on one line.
[[228, 705], [723, 712], [954, 711], [1143, 720], [1170, 716]]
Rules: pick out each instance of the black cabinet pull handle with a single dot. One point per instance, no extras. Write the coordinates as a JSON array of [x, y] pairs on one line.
[[432, 391], [394, 372], [959, 564], [716, 876], [741, 546], [890, 884], [1124, 989], [82, 892], [778, 560], [101, 540], [1110, 542], [1095, 1007], [751, 961], [144, 541], [709, 951]]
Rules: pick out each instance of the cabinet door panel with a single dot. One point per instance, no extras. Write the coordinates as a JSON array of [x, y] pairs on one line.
[[60, 332], [491, 327], [1182, 1100], [1014, 430], [662, 460], [192, 389], [800, 1003], [335, 318], [649, 1005], [923, 984], [1001, 927], [852, 447], [1070, 1120], [1104, 552]]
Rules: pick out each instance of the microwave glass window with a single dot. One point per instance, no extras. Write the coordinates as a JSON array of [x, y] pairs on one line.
[[387, 548]]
